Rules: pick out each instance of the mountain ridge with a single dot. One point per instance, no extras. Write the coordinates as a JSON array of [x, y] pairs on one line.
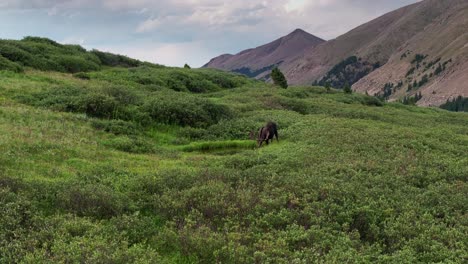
[[263, 58], [367, 57]]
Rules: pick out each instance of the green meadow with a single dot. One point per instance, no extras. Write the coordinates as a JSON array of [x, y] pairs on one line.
[[118, 161]]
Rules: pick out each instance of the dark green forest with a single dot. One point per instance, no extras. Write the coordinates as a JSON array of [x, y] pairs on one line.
[[459, 104], [347, 72]]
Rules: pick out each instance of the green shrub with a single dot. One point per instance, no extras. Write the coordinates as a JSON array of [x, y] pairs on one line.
[[131, 144], [303, 92], [223, 82], [238, 128], [185, 110], [47, 65], [75, 64], [117, 127], [15, 54], [17, 220], [297, 105], [111, 102], [63, 98], [40, 40], [176, 85], [71, 239], [371, 101], [347, 89], [183, 81], [145, 80], [136, 228], [82, 75], [201, 86], [124, 95], [91, 200], [11, 184], [7, 65], [73, 48], [98, 105], [109, 59], [31, 55]]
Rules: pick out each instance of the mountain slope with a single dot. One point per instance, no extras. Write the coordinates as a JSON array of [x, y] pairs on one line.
[[442, 71], [259, 61], [376, 56], [374, 41]]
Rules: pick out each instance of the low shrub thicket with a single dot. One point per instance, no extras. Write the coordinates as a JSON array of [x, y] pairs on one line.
[[185, 110], [7, 65], [174, 178], [91, 200]]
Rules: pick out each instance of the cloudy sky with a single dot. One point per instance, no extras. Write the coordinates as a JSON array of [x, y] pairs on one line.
[[174, 32]]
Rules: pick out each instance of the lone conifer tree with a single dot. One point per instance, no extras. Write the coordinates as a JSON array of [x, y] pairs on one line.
[[278, 78], [328, 86], [186, 66], [347, 88]]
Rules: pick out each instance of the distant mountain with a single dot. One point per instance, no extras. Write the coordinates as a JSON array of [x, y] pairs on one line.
[[432, 62], [259, 61], [423, 44]]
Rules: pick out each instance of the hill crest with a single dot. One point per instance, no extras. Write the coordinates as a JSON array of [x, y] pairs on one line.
[[258, 61]]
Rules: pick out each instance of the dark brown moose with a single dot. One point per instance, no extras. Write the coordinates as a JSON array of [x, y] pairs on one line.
[[265, 134]]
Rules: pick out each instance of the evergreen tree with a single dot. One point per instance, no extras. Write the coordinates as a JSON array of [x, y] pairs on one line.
[[438, 70], [459, 104], [410, 87], [418, 96], [278, 78], [328, 87], [405, 100], [186, 66], [347, 88]]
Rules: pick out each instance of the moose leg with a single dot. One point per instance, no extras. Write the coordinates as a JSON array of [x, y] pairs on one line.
[[259, 138]]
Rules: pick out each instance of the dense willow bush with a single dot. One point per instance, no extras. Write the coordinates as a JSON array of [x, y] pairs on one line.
[[7, 65], [185, 110]]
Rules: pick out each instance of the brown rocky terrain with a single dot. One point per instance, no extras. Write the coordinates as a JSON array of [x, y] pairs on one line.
[[259, 61], [443, 45], [418, 49]]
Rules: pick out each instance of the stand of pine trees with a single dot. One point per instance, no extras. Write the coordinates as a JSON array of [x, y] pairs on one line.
[[412, 100], [459, 104]]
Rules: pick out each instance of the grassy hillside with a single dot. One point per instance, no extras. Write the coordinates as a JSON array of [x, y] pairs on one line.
[[152, 164], [47, 55]]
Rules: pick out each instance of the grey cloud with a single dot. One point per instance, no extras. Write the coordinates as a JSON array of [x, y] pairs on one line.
[[216, 26]]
